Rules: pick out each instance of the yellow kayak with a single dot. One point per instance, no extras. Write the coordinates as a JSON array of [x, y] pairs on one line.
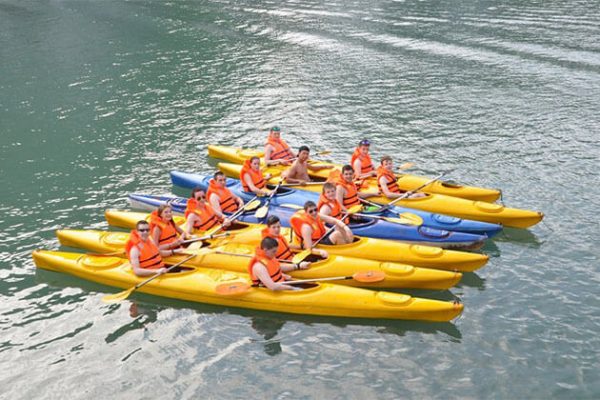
[[405, 181], [235, 257], [435, 203], [200, 285], [367, 248]]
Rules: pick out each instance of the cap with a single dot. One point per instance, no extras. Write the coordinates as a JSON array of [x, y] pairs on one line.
[[364, 142], [275, 129]]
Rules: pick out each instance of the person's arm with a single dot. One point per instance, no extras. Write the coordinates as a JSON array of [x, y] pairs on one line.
[[290, 175], [306, 231], [214, 203], [188, 227], [261, 273], [134, 255], [357, 168], [316, 168], [333, 221], [325, 211], [384, 188], [253, 188]]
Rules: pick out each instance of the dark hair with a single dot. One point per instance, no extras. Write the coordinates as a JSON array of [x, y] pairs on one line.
[[268, 243], [140, 223], [218, 173], [309, 204], [347, 168], [196, 190], [254, 158], [328, 185], [386, 158], [272, 220], [303, 148]]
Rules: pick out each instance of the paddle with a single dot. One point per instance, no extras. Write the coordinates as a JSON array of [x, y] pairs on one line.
[[264, 209], [405, 195], [298, 258], [305, 184], [235, 288], [250, 256], [206, 237], [252, 204], [406, 165], [114, 298], [402, 220]]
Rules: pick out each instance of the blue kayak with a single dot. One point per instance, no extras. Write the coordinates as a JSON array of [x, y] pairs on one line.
[[299, 197], [369, 227]]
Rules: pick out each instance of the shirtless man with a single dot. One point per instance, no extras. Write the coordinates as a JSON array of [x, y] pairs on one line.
[[298, 172]]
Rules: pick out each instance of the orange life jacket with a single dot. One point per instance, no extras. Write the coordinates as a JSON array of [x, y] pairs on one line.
[[272, 265], [392, 183], [283, 249], [204, 211], [226, 200], [168, 232], [300, 218], [351, 196], [149, 254], [281, 150], [334, 205], [366, 165], [255, 176]]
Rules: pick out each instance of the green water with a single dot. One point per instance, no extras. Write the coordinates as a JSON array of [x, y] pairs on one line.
[[101, 99]]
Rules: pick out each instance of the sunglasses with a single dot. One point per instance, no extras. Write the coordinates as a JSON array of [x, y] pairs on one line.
[[312, 211], [144, 230]]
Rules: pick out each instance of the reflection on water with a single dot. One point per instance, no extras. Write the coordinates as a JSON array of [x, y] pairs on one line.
[[268, 328], [142, 317]]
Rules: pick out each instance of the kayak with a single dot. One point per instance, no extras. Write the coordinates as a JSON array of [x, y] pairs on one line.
[[368, 227], [235, 257], [435, 203], [200, 285], [369, 248], [299, 197], [405, 181]]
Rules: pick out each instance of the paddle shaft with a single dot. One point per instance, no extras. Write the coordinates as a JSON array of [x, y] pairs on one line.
[[405, 195], [332, 278], [250, 256], [139, 285], [205, 238]]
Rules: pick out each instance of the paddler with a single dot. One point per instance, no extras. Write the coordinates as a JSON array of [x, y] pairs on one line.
[[298, 172], [265, 269], [284, 248], [165, 233], [277, 151], [346, 192], [252, 178], [328, 204], [361, 161], [200, 215], [388, 183], [220, 198], [143, 254], [309, 227]]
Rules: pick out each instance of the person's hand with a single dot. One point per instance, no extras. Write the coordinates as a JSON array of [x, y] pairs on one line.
[[285, 162], [161, 271], [322, 253], [226, 222], [304, 265], [268, 176], [302, 183]]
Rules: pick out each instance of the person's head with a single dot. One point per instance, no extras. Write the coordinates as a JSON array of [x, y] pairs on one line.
[[143, 229], [329, 190], [387, 162], [220, 178], [274, 225], [269, 246], [347, 173], [255, 163], [275, 132], [310, 208], [165, 212], [198, 193], [363, 146], [303, 153]]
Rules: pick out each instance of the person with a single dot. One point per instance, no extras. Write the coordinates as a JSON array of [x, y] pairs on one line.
[[329, 205], [346, 192], [277, 151], [308, 226], [252, 178], [298, 172], [165, 233], [284, 248], [265, 269], [220, 198], [200, 215], [144, 255], [388, 183], [361, 161]]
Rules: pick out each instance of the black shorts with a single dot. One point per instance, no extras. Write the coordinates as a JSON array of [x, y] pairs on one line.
[[326, 240]]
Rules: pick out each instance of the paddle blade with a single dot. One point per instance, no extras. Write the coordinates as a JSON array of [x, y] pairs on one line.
[[301, 256], [406, 165], [355, 209], [232, 288], [369, 276], [262, 212], [115, 298], [252, 205], [323, 153]]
